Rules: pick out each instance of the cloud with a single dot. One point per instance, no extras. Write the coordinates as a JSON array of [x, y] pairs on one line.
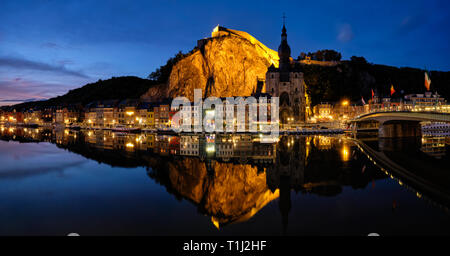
[[345, 33], [411, 23], [18, 90], [19, 100], [50, 45], [17, 63]]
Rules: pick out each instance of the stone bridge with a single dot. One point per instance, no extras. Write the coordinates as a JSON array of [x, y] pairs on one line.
[[400, 123]]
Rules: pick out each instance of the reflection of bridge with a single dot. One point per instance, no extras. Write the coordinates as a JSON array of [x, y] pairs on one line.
[[431, 181], [399, 123]]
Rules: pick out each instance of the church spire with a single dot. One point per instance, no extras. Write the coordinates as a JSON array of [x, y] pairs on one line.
[[283, 31], [284, 51]]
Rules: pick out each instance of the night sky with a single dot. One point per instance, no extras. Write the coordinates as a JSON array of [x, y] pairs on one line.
[[48, 47]]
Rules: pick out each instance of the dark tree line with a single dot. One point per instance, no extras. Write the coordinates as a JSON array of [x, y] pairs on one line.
[[321, 55], [356, 78], [162, 74], [115, 88]]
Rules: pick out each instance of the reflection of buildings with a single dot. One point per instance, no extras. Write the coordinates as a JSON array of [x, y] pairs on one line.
[[189, 145], [233, 181], [290, 162], [433, 146], [242, 147], [323, 142], [225, 147]]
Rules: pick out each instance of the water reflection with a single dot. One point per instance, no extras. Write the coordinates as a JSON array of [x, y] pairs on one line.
[[231, 177], [420, 164]]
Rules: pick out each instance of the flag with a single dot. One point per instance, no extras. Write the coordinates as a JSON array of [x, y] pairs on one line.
[[427, 81], [373, 94], [392, 89], [363, 102]]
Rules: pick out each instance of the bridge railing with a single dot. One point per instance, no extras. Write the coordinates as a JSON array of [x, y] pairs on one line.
[[408, 108]]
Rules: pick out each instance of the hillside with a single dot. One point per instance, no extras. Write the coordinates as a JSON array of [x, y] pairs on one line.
[[229, 64], [127, 87], [353, 80]]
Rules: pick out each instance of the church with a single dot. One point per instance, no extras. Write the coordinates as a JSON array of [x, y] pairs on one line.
[[287, 83]]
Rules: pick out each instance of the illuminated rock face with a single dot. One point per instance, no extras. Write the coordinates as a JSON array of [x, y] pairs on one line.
[[155, 93], [227, 64]]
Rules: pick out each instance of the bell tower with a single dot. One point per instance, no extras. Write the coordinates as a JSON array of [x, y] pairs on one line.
[[284, 51], [287, 83]]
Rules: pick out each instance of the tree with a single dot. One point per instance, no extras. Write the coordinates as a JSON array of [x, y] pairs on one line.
[[321, 55], [302, 56], [162, 74], [358, 60], [331, 55]]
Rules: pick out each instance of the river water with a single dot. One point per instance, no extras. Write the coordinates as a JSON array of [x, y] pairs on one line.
[[56, 182]]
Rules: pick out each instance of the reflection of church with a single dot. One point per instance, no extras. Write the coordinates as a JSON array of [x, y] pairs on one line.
[[227, 177], [288, 172], [287, 83]]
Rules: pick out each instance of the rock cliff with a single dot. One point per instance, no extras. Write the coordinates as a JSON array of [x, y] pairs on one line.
[[226, 64]]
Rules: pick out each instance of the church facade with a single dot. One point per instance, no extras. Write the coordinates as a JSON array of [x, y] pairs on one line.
[[287, 83]]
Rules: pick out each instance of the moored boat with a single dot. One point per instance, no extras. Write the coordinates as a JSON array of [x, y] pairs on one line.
[[122, 128]]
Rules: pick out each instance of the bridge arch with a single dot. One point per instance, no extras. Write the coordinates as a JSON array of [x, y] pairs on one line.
[[401, 123]]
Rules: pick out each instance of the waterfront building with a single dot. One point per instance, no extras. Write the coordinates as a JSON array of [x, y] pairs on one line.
[[190, 111], [18, 117], [33, 117], [7, 117], [161, 114], [425, 101], [59, 115], [146, 115], [323, 111], [127, 114], [90, 115], [67, 115], [107, 116], [100, 115]]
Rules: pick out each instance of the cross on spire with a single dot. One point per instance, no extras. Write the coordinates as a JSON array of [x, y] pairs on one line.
[[284, 19]]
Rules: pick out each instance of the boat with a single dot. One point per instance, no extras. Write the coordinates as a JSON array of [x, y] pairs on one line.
[[123, 128], [75, 127]]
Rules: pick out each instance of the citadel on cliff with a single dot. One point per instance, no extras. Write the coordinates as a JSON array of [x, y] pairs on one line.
[[283, 79]]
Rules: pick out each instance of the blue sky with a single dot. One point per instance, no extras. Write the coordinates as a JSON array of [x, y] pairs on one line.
[[48, 47]]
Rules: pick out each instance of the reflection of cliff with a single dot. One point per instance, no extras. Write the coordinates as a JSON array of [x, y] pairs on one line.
[[229, 189], [232, 193]]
